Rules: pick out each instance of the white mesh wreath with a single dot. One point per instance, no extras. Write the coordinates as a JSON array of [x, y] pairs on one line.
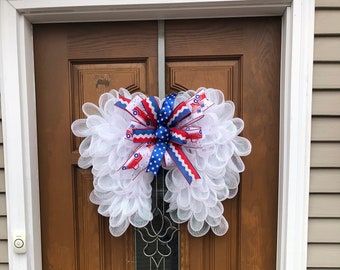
[[191, 134]]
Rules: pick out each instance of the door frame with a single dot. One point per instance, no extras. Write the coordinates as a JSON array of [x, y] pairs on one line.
[[19, 112]]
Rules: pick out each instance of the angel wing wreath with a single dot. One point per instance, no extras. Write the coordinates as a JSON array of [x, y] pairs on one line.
[[191, 134]]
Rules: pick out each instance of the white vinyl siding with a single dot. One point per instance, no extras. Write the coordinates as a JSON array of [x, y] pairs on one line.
[[326, 48], [324, 206], [324, 254], [324, 203], [325, 154], [326, 103], [4, 266], [327, 21], [326, 129], [329, 227], [326, 75], [324, 181]]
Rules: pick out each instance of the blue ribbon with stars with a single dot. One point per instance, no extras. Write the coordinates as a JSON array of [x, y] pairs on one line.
[[163, 134]]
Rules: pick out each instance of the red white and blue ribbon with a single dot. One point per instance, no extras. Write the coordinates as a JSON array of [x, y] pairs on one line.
[[164, 130]]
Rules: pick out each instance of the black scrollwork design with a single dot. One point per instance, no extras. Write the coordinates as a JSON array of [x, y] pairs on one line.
[[159, 240]]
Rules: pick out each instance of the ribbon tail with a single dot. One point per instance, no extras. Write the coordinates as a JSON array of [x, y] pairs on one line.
[[156, 157], [183, 163]]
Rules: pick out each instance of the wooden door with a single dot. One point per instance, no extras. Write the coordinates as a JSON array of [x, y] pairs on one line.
[[78, 62]]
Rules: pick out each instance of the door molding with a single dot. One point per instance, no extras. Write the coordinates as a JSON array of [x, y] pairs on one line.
[[19, 113]]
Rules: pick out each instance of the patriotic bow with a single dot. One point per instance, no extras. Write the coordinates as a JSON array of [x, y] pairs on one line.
[[164, 129]]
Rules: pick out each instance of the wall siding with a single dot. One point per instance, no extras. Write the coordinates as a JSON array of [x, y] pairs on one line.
[[326, 102], [325, 180], [324, 204], [326, 48], [326, 128], [327, 21], [326, 75], [329, 227], [327, 3]]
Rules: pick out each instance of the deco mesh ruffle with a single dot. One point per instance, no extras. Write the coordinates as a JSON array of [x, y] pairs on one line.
[[192, 135]]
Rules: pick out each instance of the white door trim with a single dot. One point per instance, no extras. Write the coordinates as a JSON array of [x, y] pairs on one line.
[[19, 112]]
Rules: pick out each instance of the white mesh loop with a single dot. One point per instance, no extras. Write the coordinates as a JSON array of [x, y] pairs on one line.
[[239, 125], [232, 193], [213, 222], [222, 228], [175, 218], [195, 224], [183, 214], [202, 214], [217, 210], [91, 109], [104, 98], [84, 162], [118, 231], [199, 233], [80, 129], [242, 146], [138, 221], [236, 164]]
